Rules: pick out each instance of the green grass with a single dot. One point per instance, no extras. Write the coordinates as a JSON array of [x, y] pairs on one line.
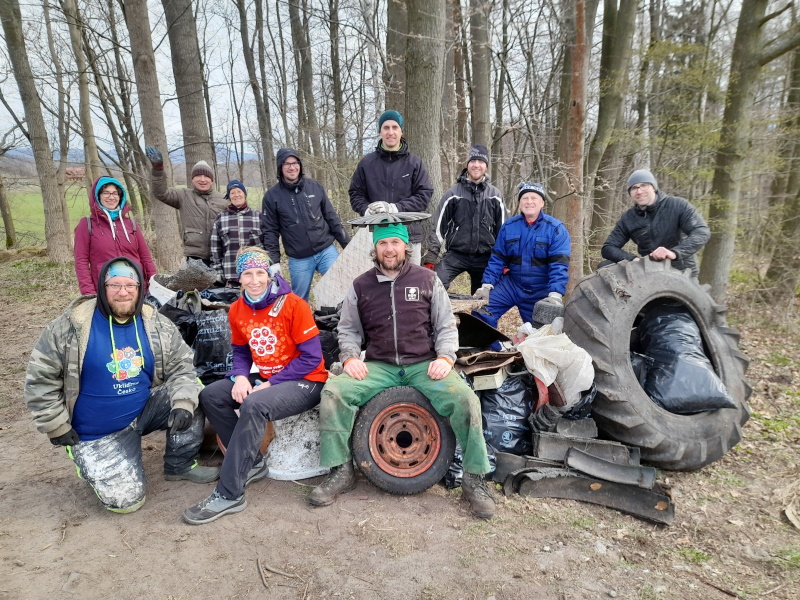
[[789, 558], [694, 555], [28, 212], [778, 360]]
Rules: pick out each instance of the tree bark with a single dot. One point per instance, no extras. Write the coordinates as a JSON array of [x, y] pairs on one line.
[[8, 218], [395, 73], [746, 62], [168, 241], [90, 153], [268, 158], [481, 84], [58, 239], [336, 81], [461, 78], [189, 86], [302, 49]]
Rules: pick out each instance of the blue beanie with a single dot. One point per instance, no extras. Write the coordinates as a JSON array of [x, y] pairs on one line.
[[235, 183], [390, 115]]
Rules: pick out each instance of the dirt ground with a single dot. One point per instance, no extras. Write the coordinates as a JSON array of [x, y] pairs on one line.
[[730, 538]]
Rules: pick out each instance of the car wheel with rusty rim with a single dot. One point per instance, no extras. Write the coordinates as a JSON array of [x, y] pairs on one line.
[[600, 315], [400, 443]]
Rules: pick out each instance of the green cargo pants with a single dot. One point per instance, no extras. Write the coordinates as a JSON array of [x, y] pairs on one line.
[[450, 397]]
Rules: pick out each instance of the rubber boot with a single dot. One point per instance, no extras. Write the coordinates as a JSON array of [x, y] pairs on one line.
[[341, 480], [476, 492]]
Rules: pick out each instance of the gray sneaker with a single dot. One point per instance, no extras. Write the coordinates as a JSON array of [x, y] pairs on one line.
[[197, 474], [212, 508], [257, 471]]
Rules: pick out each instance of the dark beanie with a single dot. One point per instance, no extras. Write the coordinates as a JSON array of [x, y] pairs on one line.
[[529, 186], [202, 168], [390, 115], [641, 176], [235, 183], [478, 152]]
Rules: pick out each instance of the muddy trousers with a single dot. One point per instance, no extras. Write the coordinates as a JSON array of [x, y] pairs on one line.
[[450, 397], [112, 464], [241, 435]]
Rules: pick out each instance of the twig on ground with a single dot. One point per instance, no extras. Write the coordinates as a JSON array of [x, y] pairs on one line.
[[773, 590], [262, 573], [721, 589], [276, 571]]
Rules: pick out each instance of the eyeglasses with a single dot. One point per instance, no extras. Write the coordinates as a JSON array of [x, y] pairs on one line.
[[638, 186], [117, 287], [291, 164], [109, 194]]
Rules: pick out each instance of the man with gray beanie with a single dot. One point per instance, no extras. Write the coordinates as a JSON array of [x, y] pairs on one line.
[[198, 204], [467, 220], [663, 227], [391, 180]]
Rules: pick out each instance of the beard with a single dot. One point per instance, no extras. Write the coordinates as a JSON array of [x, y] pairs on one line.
[[122, 312], [392, 264]]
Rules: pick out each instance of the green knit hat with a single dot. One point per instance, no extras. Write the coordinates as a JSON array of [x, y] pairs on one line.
[[387, 230]]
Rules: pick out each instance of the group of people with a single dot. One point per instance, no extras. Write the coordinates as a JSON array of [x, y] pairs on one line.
[[111, 369]]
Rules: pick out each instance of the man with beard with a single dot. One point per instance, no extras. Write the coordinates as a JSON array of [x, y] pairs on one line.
[[108, 371], [403, 314]]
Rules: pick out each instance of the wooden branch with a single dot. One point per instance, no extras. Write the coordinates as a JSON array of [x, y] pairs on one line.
[[776, 49], [777, 13]]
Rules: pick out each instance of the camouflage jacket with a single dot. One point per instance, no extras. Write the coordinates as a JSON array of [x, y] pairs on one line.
[[52, 381]]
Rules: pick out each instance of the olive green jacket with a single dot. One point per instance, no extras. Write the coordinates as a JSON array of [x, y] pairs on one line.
[[53, 379]]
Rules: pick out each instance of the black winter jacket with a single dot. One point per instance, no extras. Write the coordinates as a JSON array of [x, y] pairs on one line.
[[467, 219], [670, 222], [301, 214], [399, 178]]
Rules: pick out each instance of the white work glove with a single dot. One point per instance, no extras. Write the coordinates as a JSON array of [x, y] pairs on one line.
[[380, 207], [274, 269], [553, 298], [482, 293]]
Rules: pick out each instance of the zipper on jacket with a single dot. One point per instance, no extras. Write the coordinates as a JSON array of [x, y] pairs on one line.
[[394, 324]]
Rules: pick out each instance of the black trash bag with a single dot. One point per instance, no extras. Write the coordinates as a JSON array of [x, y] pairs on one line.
[[681, 378], [583, 408], [452, 479], [505, 415], [330, 347], [221, 295], [212, 346], [641, 365], [186, 320], [327, 319]]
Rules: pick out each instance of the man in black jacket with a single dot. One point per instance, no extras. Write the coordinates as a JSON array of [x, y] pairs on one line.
[[391, 180], [466, 222], [663, 227], [298, 210]]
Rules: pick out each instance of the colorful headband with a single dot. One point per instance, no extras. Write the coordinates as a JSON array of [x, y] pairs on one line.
[[252, 260]]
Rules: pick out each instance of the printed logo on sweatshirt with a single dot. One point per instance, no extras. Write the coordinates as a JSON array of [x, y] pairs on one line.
[[130, 365], [263, 341], [412, 294]]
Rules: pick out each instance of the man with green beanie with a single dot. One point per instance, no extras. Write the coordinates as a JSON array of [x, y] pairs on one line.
[[403, 314], [391, 180]]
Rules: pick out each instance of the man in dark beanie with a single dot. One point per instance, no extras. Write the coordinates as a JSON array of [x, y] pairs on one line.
[[298, 210], [198, 204], [663, 227], [466, 222], [391, 180], [237, 227], [107, 371]]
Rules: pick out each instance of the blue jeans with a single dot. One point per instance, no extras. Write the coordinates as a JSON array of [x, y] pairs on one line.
[[301, 270]]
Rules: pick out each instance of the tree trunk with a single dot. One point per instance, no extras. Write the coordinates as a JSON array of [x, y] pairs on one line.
[[58, 239], [459, 64], [425, 80], [305, 74], [168, 241], [188, 73], [90, 154], [568, 183], [8, 219], [395, 73], [268, 158], [262, 110], [481, 83], [336, 81], [746, 62]]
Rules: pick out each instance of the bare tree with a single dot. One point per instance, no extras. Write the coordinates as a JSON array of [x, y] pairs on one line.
[[395, 70], [8, 142], [305, 74], [58, 239], [481, 68]]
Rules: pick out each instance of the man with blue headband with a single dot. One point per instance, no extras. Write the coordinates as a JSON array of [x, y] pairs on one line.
[[402, 313], [108, 371]]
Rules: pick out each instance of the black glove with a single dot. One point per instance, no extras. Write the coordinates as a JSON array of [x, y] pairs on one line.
[[179, 420], [67, 439], [155, 157]]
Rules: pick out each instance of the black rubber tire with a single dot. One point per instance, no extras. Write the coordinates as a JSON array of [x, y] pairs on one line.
[[599, 317], [371, 468]]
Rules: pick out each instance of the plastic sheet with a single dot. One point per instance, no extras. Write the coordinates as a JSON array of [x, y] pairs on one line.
[[680, 378]]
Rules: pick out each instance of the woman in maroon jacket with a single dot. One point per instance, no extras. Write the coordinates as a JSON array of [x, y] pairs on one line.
[[106, 233]]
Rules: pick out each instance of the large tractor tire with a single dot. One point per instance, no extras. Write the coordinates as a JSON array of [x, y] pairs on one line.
[[600, 316], [400, 443]]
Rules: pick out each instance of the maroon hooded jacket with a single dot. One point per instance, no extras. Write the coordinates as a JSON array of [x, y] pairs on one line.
[[113, 234]]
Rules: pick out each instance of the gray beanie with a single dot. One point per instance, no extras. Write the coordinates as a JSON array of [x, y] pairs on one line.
[[641, 176]]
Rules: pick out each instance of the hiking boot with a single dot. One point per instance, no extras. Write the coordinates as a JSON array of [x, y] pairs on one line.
[[197, 474], [258, 471], [476, 492], [212, 508], [341, 480]]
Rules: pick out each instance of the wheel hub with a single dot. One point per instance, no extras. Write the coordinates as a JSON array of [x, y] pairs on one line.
[[404, 440]]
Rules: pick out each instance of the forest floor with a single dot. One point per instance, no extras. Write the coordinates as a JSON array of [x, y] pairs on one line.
[[730, 538]]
